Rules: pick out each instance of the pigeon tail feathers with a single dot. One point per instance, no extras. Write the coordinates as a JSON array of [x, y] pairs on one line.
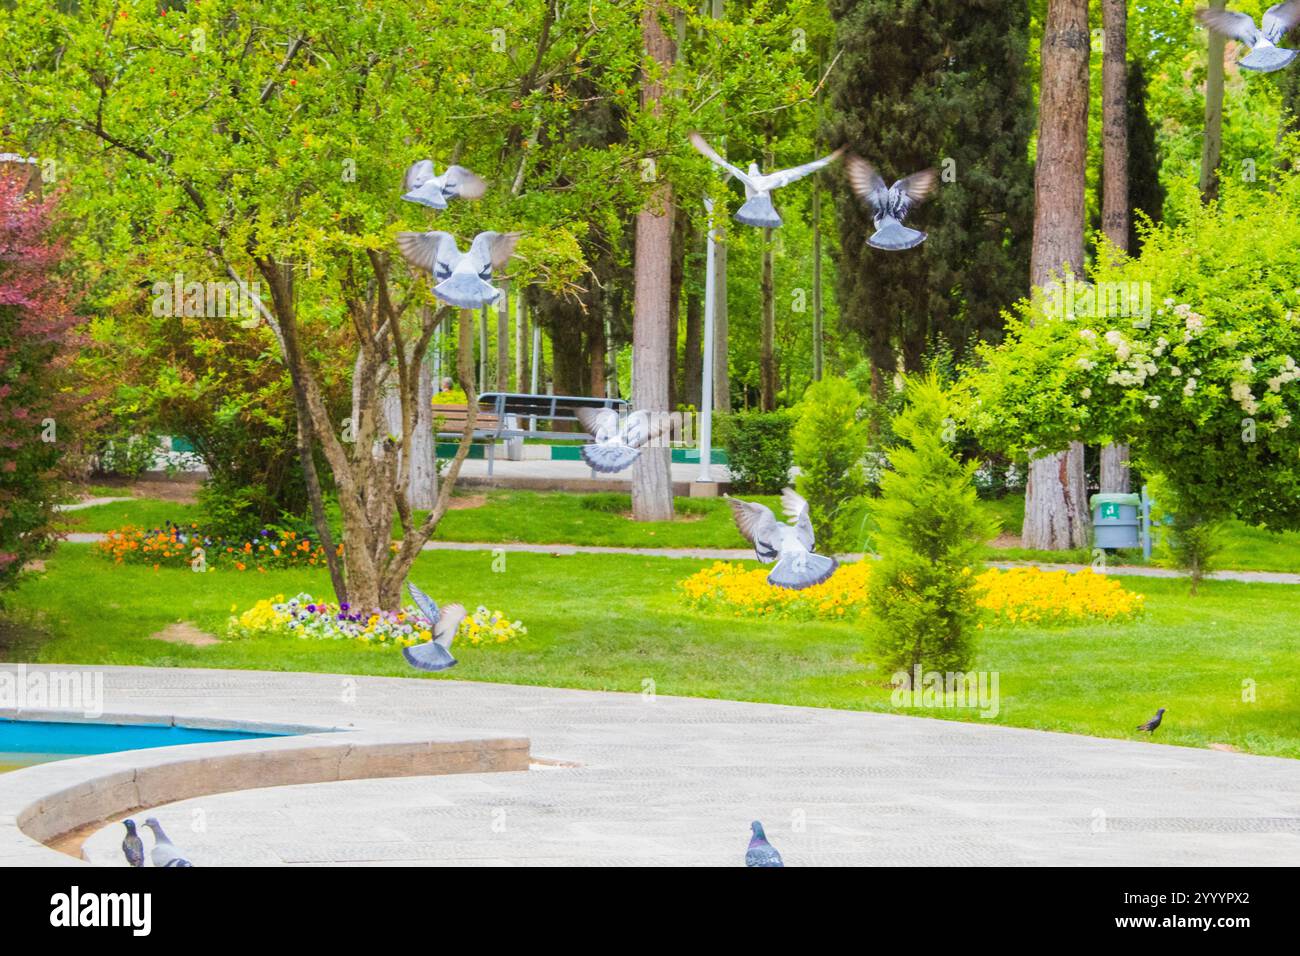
[[427, 195], [894, 236], [816, 569], [429, 657], [1266, 59], [759, 211], [609, 459]]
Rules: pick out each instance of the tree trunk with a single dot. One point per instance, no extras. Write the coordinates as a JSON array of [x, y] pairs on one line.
[[521, 342], [693, 359], [1055, 511], [652, 490], [767, 355], [1212, 144], [1115, 193], [598, 359], [721, 360], [503, 339], [818, 358]]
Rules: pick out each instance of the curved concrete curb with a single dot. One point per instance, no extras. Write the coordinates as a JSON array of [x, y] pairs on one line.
[[41, 803]]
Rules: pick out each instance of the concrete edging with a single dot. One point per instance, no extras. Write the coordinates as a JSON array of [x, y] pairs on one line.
[[41, 803]]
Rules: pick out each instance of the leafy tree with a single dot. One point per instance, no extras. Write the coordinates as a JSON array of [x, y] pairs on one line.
[[929, 83], [830, 440], [37, 406], [929, 535]]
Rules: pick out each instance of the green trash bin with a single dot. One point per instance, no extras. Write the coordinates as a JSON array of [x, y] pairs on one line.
[[1116, 520]]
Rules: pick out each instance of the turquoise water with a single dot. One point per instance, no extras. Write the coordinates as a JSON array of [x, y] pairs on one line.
[[27, 742]]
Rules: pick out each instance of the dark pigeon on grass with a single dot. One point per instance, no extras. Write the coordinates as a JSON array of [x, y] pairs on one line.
[[1265, 55], [462, 279], [760, 852], [434, 655], [789, 544], [420, 185], [618, 442], [132, 846], [164, 852], [1151, 725], [890, 204]]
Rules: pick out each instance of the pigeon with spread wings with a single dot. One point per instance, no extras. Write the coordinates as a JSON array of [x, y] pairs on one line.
[[420, 185], [890, 204], [758, 209], [618, 440], [790, 545], [1265, 55], [461, 279], [434, 655]]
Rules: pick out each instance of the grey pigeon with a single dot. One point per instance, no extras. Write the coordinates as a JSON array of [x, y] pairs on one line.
[[618, 443], [760, 852], [132, 846], [434, 655], [758, 209], [164, 852], [420, 185], [890, 204], [1151, 725], [1265, 55], [789, 545], [462, 279]]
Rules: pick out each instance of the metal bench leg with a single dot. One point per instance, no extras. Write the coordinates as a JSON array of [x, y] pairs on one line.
[[492, 456]]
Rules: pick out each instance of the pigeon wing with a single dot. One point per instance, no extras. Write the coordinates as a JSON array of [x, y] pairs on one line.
[[417, 175], [445, 630], [785, 177], [1281, 18], [796, 511], [643, 427], [757, 524], [493, 249], [710, 154], [423, 249], [600, 423], [427, 605], [865, 182], [461, 182], [917, 186], [1239, 26]]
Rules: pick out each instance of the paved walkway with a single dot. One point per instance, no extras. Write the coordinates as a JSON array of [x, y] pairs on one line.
[[633, 779]]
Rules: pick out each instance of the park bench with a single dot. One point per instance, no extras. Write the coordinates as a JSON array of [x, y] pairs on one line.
[[517, 415]]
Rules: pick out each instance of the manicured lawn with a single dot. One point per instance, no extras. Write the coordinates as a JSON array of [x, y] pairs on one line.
[[141, 512], [611, 622]]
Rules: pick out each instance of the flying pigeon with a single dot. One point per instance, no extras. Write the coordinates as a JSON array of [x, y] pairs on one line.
[[164, 852], [422, 186], [434, 655], [789, 545], [618, 443], [1265, 55], [132, 846], [890, 204], [463, 279], [758, 209], [760, 852], [1151, 725]]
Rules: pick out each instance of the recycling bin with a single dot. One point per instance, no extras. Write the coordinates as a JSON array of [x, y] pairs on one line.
[[1116, 520]]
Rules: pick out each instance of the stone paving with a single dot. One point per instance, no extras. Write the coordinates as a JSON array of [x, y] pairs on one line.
[[639, 779]]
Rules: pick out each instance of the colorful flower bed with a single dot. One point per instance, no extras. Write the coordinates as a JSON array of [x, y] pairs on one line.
[[304, 617], [1018, 595], [175, 546]]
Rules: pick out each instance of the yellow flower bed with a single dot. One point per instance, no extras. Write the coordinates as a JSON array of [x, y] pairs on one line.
[[1018, 596], [1034, 596]]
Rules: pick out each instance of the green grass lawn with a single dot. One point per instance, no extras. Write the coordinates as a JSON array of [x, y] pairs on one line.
[[1190, 655], [531, 517]]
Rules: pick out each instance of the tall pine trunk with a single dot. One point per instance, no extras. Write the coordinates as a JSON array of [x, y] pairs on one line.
[[652, 489], [1212, 144], [1114, 200], [1055, 510]]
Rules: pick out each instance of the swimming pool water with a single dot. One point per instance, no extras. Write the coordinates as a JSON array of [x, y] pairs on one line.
[[27, 742]]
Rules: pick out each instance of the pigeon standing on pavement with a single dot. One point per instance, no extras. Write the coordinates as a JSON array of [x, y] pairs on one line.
[[132, 845], [1151, 725], [1265, 55], [789, 545], [617, 443], [434, 655], [420, 185], [462, 279], [164, 852], [890, 204], [758, 209], [760, 852]]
